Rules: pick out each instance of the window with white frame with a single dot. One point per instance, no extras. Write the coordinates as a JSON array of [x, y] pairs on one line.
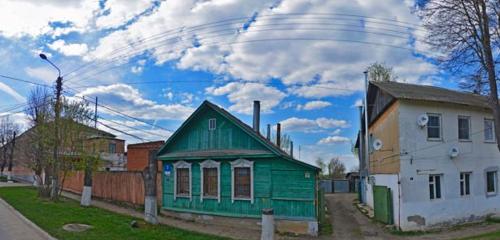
[[489, 130], [463, 128], [435, 186], [465, 183], [434, 126], [212, 124], [182, 180], [491, 182], [242, 180], [210, 180]]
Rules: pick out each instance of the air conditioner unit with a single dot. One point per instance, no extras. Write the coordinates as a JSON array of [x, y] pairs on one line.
[[422, 120]]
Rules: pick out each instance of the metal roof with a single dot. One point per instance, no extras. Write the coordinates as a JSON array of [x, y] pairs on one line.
[[430, 93]]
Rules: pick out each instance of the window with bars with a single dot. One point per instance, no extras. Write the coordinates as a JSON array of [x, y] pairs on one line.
[[489, 130], [434, 126], [242, 182], [465, 183], [182, 175], [435, 186], [210, 182]]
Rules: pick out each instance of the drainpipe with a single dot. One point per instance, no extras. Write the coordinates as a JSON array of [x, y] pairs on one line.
[[366, 125]]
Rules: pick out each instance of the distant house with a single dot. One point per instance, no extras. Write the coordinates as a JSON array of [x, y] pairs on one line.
[[138, 154], [111, 151], [432, 155], [214, 164]]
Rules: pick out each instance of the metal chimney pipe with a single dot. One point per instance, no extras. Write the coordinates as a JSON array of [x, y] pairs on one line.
[[291, 149], [256, 116], [278, 134], [268, 131]]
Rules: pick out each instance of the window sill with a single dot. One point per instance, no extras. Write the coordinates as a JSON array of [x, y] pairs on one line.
[[490, 142], [182, 196], [434, 139], [242, 199], [491, 194], [464, 140], [210, 197]]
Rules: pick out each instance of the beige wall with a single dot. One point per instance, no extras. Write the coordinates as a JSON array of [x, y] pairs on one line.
[[386, 128]]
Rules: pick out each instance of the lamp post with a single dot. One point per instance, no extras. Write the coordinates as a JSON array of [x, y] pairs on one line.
[[57, 110]]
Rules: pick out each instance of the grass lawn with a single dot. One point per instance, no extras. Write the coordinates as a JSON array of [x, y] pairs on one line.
[[493, 235], [106, 225]]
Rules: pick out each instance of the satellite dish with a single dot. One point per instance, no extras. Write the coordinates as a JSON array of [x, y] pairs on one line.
[[377, 144], [422, 120], [453, 152]]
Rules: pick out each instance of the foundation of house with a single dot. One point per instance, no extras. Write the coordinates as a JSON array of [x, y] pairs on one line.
[[297, 227]]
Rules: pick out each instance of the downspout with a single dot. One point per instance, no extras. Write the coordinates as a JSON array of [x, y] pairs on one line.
[[399, 202], [366, 126]]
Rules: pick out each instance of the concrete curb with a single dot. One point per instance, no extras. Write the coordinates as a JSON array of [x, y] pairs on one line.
[[40, 231]]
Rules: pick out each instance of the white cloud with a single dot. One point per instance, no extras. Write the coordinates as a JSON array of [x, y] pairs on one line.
[[69, 49], [20, 119], [358, 103], [48, 75], [121, 11], [135, 128], [337, 131], [242, 95], [13, 93], [130, 101], [295, 124], [334, 140], [312, 105]]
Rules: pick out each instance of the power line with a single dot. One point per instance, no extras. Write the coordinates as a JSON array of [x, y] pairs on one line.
[[184, 30]]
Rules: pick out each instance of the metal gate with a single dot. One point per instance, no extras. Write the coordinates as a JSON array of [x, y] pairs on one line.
[[382, 202]]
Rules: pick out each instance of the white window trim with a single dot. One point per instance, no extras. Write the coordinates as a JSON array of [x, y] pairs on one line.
[[215, 124], [440, 127], [495, 183], [469, 122], [434, 188], [210, 164], [242, 163], [464, 183], [182, 164], [492, 131]]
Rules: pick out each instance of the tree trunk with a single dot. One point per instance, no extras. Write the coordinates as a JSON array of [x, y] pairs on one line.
[[11, 157], [490, 68], [87, 186]]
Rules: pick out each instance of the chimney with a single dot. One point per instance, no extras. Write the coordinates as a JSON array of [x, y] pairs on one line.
[[278, 134], [256, 116], [291, 149], [268, 131]]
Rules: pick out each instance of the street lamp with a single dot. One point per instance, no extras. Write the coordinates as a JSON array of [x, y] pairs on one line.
[[57, 109]]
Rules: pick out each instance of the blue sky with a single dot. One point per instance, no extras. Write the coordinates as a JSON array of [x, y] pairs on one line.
[[302, 59]]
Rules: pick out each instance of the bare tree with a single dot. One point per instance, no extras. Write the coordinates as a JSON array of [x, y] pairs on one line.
[[7, 132], [40, 114], [467, 33], [336, 168], [321, 164], [379, 72]]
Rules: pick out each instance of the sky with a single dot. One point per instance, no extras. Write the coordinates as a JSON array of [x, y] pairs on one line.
[[157, 61]]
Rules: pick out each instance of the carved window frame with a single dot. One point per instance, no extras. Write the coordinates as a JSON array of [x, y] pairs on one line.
[[209, 164]]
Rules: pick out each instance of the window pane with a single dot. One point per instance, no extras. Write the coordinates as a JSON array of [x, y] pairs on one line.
[[242, 182], [182, 181], [467, 184], [490, 181], [489, 130], [461, 188], [438, 187], [463, 128], [433, 132], [210, 181], [431, 190], [433, 121]]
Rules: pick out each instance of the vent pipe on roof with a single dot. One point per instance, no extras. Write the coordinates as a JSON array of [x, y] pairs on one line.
[[291, 149], [256, 116], [278, 134], [268, 132]]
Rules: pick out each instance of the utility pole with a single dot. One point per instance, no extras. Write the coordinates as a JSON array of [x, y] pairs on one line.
[[4, 156], [57, 110], [366, 126], [11, 157]]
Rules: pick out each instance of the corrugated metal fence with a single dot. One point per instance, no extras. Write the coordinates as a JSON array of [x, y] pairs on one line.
[[114, 186], [334, 186]]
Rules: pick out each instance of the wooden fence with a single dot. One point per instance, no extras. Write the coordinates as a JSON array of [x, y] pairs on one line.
[[125, 187]]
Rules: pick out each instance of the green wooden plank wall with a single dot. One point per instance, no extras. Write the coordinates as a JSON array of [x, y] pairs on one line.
[[283, 185], [225, 136]]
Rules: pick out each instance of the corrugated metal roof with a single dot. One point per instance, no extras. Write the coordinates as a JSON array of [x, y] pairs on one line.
[[431, 93]]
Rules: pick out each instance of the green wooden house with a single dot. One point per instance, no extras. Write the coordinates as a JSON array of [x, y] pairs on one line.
[[217, 165]]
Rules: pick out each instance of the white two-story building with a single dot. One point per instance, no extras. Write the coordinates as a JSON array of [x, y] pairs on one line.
[[435, 151]]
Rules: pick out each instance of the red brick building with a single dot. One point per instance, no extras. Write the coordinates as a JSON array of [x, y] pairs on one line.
[[138, 155]]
